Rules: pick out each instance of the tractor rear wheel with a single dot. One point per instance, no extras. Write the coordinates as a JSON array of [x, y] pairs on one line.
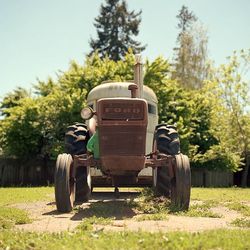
[[167, 139], [166, 142], [161, 181], [83, 184], [181, 184], [64, 183], [76, 138]]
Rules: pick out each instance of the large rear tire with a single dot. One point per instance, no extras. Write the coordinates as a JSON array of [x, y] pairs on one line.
[[83, 184], [181, 184], [167, 142], [161, 181], [76, 138], [64, 184], [167, 139]]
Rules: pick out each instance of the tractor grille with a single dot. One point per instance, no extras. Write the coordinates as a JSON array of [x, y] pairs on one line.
[[122, 124], [120, 140]]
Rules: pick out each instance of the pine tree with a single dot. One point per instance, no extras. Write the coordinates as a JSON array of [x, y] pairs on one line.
[[115, 28], [190, 64]]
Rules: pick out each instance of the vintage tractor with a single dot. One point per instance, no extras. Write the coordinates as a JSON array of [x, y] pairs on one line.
[[121, 146]]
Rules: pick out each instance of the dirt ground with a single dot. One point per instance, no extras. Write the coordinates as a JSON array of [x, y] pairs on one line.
[[47, 219]]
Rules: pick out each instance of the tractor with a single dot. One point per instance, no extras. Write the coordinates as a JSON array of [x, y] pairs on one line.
[[121, 146]]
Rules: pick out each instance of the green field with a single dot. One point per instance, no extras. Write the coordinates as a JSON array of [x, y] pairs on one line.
[[87, 237]]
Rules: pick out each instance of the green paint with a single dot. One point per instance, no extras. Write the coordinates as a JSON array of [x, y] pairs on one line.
[[93, 145]]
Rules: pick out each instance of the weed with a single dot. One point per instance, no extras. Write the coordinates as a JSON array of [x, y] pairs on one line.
[[241, 222], [200, 211], [88, 223], [155, 217], [239, 207], [148, 203]]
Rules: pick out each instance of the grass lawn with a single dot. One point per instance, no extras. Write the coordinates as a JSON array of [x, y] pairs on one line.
[[10, 216], [86, 237], [221, 194], [24, 194]]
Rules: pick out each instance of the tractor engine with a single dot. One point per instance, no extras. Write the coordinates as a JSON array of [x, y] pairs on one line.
[[122, 125]]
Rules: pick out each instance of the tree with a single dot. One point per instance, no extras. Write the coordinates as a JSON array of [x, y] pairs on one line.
[[191, 67], [236, 95], [115, 28], [36, 125], [20, 131], [12, 99], [229, 95], [174, 105], [186, 19], [44, 88]]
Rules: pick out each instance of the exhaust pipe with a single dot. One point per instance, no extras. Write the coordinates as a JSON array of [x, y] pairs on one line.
[[138, 75]]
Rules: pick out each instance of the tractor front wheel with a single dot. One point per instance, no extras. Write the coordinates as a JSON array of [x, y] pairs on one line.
[[181, 183], [64, 183]]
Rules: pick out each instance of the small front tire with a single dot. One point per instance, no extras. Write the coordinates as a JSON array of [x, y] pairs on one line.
[[64, 183], [181, 184]]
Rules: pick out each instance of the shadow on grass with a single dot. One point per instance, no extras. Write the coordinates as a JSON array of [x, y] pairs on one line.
[[105, 205], [105, 209]]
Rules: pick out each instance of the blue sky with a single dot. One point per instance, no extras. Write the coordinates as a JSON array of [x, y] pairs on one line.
[[38, 38]]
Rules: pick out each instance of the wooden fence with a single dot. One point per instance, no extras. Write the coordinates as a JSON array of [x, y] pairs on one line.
[[34, 172], [38, 172], [211, 178]]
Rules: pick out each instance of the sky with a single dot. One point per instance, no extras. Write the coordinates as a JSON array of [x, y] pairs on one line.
[[39, 38]]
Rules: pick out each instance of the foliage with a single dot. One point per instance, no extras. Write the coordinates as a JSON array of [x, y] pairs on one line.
[[173, 103], [36, 124], [190, 63], [188, 109], [12, 99], [228, 93], [186, 19], [21, 130], [116, 27]]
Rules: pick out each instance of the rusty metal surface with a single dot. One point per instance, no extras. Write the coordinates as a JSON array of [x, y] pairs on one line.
[[122, 140], [117, 164], [85, 160], [132, 167], [106, 181], [122, 124], [125, 109], [162, 161]]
